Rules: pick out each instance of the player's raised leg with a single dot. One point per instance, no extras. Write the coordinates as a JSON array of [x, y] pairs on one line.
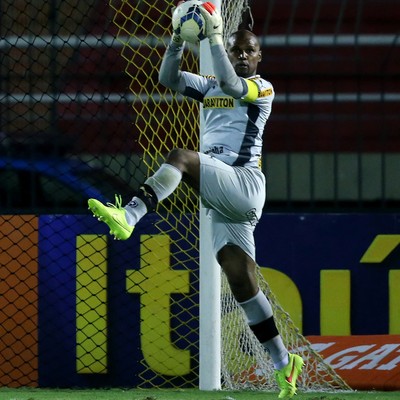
[[122, 220]]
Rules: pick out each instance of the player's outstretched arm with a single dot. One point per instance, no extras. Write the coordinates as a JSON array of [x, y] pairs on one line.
[[170, 74], [226, 76]]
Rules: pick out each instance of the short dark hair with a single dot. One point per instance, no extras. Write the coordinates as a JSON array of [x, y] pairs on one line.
[[244, 32]]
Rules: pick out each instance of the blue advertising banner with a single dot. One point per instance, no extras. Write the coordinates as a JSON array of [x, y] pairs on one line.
[[117, 322], [333, 258], [337, 271]]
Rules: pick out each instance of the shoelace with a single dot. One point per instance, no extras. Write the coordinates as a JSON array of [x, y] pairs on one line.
[[118, 202]]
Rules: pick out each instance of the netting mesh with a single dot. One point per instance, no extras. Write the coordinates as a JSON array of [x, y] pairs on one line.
[[245, 364], [242, 354], [164, 121], [82, 115]]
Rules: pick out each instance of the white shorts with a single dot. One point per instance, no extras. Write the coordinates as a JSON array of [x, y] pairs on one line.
[[235, 197]]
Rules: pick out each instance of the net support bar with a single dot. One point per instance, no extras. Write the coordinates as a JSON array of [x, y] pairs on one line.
[[210, 315], [210, 276]]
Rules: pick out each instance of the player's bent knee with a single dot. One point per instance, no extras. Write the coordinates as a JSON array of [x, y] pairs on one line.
[[181, 158]]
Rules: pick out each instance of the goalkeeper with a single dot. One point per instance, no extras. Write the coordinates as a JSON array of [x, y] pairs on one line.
[[237, 103]]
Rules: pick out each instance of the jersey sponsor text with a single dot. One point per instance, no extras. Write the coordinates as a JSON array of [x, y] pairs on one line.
[[218, 102]]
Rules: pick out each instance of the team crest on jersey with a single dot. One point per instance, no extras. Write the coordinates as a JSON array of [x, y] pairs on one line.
[[219, 102], [252, 216]]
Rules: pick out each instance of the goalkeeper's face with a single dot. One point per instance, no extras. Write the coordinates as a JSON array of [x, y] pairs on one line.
[[244, 53]]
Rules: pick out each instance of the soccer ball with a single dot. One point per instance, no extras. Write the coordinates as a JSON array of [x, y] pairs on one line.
[[187, 21]]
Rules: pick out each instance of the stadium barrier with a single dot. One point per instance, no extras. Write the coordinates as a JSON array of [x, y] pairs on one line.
[[82, 310]]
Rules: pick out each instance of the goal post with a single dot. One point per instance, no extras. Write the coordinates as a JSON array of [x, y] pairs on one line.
[[210, 274], [210, 312]]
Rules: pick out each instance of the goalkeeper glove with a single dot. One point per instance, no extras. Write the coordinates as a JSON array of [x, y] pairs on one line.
[[214, 26], [176, 39]]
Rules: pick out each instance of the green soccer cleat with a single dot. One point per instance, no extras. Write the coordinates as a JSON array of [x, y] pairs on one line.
[[287, 376], [113, 216]]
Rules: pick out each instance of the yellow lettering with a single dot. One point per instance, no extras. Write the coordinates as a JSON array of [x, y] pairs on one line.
[[380, 248], [394, 302], [286, 293], [335, 302], [265, 93], [155, 282], [91, 304]]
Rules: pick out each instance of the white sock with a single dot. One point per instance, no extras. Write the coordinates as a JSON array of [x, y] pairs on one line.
[[277, 351], [258, 309], [164, 181], [135, 210]]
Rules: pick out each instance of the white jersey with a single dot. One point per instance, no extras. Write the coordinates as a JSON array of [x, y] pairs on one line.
[[233, 127]]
